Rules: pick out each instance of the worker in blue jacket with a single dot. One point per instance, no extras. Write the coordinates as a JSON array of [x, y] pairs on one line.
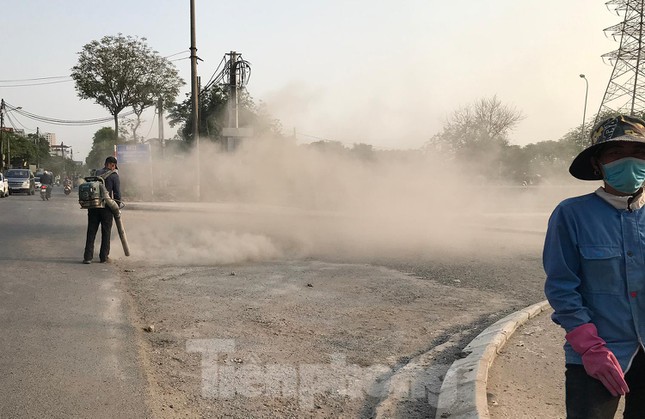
[[594, 259], [103, 217]]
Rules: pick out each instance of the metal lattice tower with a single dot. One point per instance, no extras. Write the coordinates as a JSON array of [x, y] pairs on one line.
[[626, 89]]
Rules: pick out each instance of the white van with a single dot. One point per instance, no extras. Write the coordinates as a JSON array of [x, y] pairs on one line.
[[21, 180]]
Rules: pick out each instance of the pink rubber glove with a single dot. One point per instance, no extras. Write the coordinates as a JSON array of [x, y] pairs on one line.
[[599, 362]]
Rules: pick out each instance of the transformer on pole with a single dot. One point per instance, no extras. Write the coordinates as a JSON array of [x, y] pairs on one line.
[[238, 71], [625, 91]]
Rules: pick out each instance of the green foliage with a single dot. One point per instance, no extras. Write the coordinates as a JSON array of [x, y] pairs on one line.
[[477, 137], [41, 150], [214, 115], [102, 146], [60, 166], [120, 71], [22, 150]]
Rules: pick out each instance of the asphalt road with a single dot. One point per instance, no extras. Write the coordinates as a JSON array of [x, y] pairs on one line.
[[67, 349]]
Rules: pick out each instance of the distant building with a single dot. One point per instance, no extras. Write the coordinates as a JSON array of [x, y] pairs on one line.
[[50, 137], [61, 150]]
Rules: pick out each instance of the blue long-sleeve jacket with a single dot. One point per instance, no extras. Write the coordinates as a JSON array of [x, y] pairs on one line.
[[594, 259], [112, 183]]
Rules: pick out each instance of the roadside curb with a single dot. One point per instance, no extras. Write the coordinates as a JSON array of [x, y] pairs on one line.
[[463, 391]]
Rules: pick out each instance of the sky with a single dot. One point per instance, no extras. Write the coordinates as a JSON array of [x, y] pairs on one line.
[[378, 72]]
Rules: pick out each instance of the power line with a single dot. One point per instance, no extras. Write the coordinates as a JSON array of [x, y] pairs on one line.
[[314, 137], [10, 118], [34, 79], [177, 53], [36, 84], [215, 75], [57, 121], [152, 124]]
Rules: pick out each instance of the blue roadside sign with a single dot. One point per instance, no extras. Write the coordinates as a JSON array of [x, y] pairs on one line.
[[133, 153]]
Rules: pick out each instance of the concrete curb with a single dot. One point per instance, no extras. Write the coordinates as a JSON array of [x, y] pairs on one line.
[[463, 391]]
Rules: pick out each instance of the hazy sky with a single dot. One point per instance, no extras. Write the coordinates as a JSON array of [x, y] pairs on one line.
[[381, 72]]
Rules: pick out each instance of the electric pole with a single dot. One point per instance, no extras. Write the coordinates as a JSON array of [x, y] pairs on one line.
[[162, 142], [194, 92], [37, 147], [2, 131], [233, 120]]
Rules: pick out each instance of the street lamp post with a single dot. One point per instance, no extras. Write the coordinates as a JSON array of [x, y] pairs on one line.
[[584, 112]]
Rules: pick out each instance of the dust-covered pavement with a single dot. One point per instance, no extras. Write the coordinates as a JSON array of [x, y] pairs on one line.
[[252, 318]]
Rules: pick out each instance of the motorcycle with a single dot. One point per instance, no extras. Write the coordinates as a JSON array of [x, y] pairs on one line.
[[67, 188], [45, 192]]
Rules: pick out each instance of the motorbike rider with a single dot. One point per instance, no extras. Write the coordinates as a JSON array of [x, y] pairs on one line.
[[47, 179], [67, 185]]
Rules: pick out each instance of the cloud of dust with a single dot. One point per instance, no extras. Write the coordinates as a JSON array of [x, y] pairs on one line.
[[275, 199]]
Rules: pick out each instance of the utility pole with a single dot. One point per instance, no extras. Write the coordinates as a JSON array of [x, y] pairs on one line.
[[2, 131], [37, 147], [162, 141], [233, 119], [2, 111], [195, 93]]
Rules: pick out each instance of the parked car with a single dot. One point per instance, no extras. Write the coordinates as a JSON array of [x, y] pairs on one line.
[[4, 186], [21, 180]]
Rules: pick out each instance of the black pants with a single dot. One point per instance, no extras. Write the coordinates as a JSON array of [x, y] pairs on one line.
[[96, 217], [587, 398]]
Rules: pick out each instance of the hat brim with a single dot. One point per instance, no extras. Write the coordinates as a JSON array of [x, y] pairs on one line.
[[581, 167]]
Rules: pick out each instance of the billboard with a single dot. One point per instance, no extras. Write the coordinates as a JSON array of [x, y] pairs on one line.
[[133, 153]]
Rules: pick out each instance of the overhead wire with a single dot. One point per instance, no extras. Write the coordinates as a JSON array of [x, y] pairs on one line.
[[152, 124], [38, 81], [241, 66], [314, 137], [36, 84], [10, 119], [213, 76], [57, 121], [177, 53], [34, 79]]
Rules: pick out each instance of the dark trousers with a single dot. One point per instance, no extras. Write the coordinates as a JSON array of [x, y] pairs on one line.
[[587, 398], [96, 217]]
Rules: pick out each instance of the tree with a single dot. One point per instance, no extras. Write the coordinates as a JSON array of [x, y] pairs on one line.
[[41, 149], [213, 115], [102, 146], [22, 150], [120, 72], [482, 124], [477, 134]]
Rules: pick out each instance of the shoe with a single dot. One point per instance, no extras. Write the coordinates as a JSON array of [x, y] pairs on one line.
[[87, 262], [106, 260]]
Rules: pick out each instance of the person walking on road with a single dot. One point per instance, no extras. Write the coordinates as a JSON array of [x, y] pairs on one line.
[[594, 259], [103, 217]]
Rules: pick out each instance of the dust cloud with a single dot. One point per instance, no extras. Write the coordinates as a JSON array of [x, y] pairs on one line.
[[273, 199]]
